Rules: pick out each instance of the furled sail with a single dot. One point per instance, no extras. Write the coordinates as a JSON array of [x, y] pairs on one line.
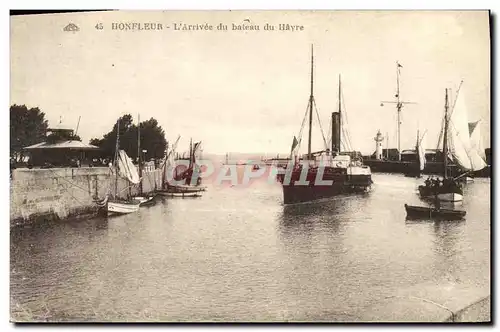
[[421, 152], [459, 141], [476, 138], [127, 168]]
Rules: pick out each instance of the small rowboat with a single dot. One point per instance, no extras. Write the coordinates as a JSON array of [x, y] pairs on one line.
[[423, 212], [144, 200], [116, 207], [181, 194], [182, 191], [122, 207]]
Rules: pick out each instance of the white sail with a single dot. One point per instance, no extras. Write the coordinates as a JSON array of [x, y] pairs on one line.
[[476, 138], [127, 168], [458, 139], [421, 152]]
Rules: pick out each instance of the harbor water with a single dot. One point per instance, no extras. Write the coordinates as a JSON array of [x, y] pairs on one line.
[[238, 254]]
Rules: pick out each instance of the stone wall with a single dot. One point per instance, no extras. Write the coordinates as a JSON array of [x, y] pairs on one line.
[[479, 311], [432, 302], [60, 193]]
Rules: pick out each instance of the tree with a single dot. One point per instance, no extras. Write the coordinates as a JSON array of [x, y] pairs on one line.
[[27, 127], [152, 139]]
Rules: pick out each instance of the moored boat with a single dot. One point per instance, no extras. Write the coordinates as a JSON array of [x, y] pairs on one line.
[[181, 191], [423, 212], [144, 200], [122, 165], [122, 207], [172, 188], [148, 199]]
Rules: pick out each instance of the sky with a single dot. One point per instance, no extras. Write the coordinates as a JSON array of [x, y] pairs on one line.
[[247, 91]]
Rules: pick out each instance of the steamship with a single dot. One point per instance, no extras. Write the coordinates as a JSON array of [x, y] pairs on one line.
[[325, 173]]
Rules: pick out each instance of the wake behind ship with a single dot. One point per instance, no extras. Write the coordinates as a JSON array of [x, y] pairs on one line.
[[324, 173]]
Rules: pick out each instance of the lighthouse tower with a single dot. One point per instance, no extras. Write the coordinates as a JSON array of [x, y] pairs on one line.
[[378, 147]]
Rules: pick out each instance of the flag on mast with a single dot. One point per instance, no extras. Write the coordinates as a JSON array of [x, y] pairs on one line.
[[294, 144]]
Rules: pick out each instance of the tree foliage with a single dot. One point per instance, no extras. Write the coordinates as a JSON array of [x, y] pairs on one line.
[[27, 127], [62, 136], [152, 139]]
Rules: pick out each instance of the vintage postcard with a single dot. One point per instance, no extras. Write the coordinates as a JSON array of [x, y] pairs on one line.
[[250, 166]]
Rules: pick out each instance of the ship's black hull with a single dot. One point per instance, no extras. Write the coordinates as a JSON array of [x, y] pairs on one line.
[[342, 184], [406, 167], [390, 166], [413, 172], [301, 194]]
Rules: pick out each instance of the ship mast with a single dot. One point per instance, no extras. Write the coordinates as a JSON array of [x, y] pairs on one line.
[[311, 101], [340, 115], [399, 106], [190, 152], [165, 167], [116, 156], [445, 138], [139, 151]]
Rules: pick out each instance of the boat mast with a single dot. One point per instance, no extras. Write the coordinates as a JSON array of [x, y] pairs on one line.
[[445, 138], [78, 125], [164, 175], [387, 147], [116, 156], [417, 149], [398, 106], [139, 151], [333, 134], [190, 152], [340, 115], [311, 100]]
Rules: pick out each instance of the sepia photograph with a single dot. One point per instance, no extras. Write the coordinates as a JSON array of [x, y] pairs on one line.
[[250, 166]]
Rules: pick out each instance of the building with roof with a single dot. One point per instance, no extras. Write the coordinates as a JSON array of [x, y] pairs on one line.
[[62, 148]]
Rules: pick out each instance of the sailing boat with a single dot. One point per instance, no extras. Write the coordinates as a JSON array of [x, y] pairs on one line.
[[415, 169], [478, 144], [180, 190], [327, 173], [123, 165], [187, 174], [141, 198], [476, 138], [456, 142], [465, 151]]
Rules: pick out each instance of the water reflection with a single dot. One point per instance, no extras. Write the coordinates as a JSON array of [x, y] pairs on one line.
[[446, 249], [325, 215], [446, 235], [329, 212], [101, 223], [310, 235]]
